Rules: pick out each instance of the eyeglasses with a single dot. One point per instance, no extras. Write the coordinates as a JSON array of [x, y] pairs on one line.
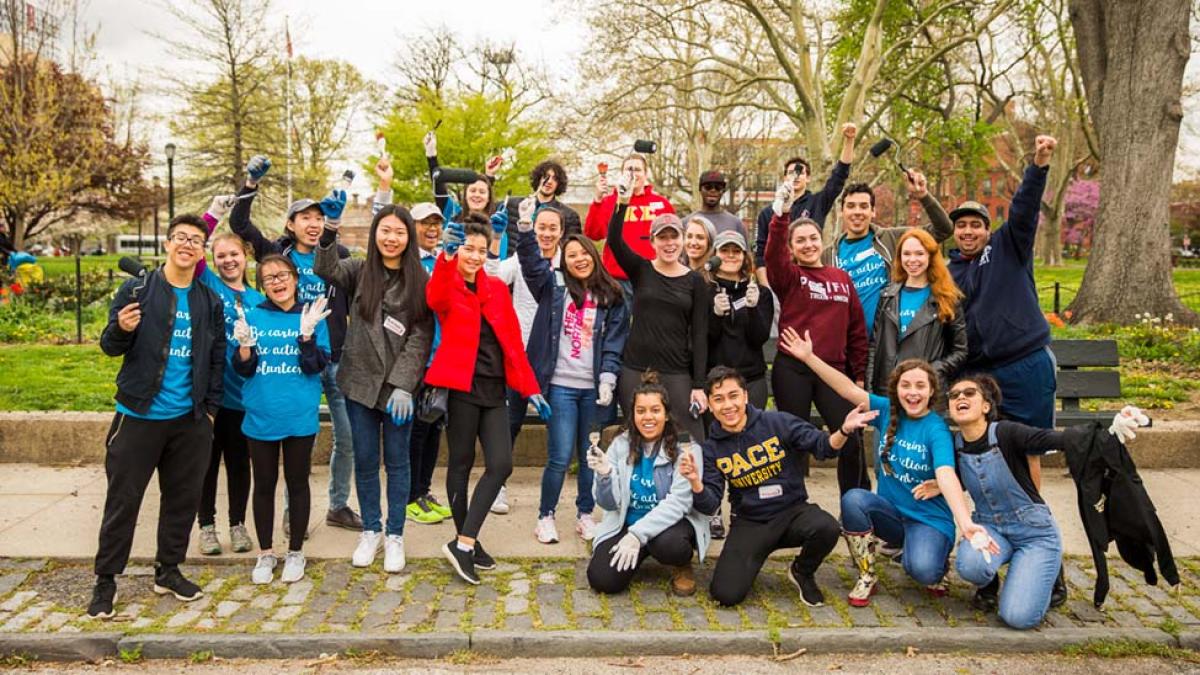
[[277, 277], [182, 239], [965, 392]]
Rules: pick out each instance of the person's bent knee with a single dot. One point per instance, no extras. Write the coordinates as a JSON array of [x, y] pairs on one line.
[[926, 572], [605, 582], [677, 552], [971, 566], [1020, 618], [726, 594]]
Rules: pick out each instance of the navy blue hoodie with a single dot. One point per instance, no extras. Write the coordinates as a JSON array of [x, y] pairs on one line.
[[761, 463], [814, 205], [1004, 320]]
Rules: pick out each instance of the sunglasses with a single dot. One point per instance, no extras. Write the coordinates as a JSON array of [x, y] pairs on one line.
[[965, 392], [713, 187]]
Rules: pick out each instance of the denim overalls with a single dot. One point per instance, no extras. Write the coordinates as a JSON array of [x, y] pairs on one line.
[[1025, 531]]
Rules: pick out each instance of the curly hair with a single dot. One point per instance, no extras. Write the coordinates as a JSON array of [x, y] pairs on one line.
[[895, 410], [650, 386], [549, 166], [941, 285], [858, 189]]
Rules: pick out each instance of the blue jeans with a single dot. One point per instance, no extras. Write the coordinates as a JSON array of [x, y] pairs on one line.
[[365, 425], [567, 433], [926, 549], [341, 457], [1033, 555], [1028, 386]]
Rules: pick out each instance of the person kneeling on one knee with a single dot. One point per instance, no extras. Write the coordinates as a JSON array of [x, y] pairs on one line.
[[757, 453]]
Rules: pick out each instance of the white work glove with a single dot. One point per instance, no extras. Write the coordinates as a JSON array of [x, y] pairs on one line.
[[604, 394], [721, 305], [220, 206], [783, 198], [597, 461], [980, 542], [525, 211], [400, 407], [1126, 422], [242, 332], [430, 142], [313, 314], [624, 188], [752, 294], [626, 552]]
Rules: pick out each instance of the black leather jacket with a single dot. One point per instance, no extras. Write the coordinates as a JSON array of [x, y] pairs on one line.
[[146, 348], [942, 344]]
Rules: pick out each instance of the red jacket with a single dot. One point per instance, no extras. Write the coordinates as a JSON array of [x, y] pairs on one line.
[[458, 311], [642, 211], [821, 300]]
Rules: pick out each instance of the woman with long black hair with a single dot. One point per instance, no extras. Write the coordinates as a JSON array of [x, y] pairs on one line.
[[387, 346]]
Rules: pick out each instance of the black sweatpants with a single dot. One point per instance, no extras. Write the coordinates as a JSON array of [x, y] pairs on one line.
[[422, 455], [297, 461], [749, 543], [229, 443], [465, 422], [679, 390], [796, 389], [673, 546], [134, 449]]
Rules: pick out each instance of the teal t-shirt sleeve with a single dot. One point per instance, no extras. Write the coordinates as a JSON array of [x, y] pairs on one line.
[[881, 404], [940, 443]]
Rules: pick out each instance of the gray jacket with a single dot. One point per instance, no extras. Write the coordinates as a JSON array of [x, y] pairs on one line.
[[377, 359], [939, 226], [674, 498]]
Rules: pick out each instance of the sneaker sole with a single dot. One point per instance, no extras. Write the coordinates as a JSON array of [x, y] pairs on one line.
[[425, 521], [454, 563], [106, 615], [163, 590], [500, 512], [291, 581], [341, 525], [398, 570], [212, 552], [800, 591]]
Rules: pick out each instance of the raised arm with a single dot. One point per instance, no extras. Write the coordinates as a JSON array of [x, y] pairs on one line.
[[827, 197], [801, 348], [707, 485], [330, 266], [939, 226], [627, 258], [1020, 230]]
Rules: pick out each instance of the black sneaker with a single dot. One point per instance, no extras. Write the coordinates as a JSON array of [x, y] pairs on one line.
[[987, 598], [169, 580], [104, 596], [1058, 595], [810, 592], [462, 561], [482, 560], [344, 518]]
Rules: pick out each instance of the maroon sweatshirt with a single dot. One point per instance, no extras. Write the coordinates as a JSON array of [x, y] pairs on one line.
[[821, 300]]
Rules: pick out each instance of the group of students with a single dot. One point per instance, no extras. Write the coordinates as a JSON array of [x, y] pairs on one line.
[[437, 328]]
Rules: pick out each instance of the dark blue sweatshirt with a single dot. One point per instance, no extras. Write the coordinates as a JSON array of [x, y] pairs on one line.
[[1004, 320], [761, 463], [814, 205]]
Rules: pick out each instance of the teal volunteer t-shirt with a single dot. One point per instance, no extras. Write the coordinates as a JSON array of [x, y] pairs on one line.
[[867, 272], [643, 497], [922, 446], [911, 302], [281, 400], [232, 382], [174, 397]]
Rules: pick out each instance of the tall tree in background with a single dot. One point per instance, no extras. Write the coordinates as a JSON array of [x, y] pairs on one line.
[[326, 97], [1132, 57]]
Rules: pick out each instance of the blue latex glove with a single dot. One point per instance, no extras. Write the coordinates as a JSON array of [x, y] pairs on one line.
[[500, 220], [400, 407], [257, 167], [542, 407], [333, 205], [452, 237]]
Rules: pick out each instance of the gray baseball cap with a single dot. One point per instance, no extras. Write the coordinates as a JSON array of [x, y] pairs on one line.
[[971, 209], [301, 205], [664, 221], [424, 210], [730, 237]]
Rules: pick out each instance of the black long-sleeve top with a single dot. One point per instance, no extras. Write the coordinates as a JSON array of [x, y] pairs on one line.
[[1017, 442]]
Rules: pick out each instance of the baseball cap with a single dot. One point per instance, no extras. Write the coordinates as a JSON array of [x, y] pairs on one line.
[[425, 210], [971, 209], [730, 237], [712, 176], [664, 221], [301, 205]]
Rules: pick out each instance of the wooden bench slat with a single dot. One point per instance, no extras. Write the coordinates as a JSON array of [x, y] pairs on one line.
[[1088, 384], [1085, 353]]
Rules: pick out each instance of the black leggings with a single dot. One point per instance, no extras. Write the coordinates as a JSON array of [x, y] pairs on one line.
[[749, 543], [297, 460], [422, 455], [679, 389], [228, 442], [673, 546], [796, 389], [465, 422]]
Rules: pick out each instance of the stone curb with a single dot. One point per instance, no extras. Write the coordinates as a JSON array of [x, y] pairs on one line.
[[96, 646]]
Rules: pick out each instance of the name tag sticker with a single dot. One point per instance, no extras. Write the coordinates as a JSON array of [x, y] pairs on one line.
[[740, 303], [770, 491], [394, 326]]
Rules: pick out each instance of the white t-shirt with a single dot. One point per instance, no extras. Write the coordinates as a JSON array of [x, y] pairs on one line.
[[509, 270]]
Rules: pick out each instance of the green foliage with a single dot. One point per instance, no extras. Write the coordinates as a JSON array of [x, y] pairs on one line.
[[58, 293], [56, 377], [24, 322], [201, 657], [1117, 649], [473, 128], [131, 655], [965, 138]]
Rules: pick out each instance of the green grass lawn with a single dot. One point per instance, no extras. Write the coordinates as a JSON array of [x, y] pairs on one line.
[[1070, 276], [66, 265], [56, 377]]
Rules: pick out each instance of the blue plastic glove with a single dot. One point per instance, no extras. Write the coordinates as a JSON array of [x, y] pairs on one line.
[[333, 205], [542, 407], [452, 237], [500, 220], [257, 167], [400, 407]]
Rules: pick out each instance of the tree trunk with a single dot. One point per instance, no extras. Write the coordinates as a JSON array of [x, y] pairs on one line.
[[1050, 233], [1132, 56]]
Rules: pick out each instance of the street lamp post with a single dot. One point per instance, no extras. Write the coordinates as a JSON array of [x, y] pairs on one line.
[[170, 181], [157, 189]]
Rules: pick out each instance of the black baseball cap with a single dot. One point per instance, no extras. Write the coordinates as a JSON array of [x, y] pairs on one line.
[[971, 209], [712, 177]]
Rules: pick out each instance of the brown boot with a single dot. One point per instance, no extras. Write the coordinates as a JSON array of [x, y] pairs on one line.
[[683, 581]]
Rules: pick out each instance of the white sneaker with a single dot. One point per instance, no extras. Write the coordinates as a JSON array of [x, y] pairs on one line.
[[585, 527], [546, 531], [293, 567], [264, 569], [393, 554], [500, 506], [368, 545]]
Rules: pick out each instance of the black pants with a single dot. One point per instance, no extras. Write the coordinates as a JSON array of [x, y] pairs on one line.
[[749, 543], [517, 407], [297, 461], [796, 390], [179, 450], [673, 546], [422, 454], [228, 442], [679, 390], [465, 422]]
